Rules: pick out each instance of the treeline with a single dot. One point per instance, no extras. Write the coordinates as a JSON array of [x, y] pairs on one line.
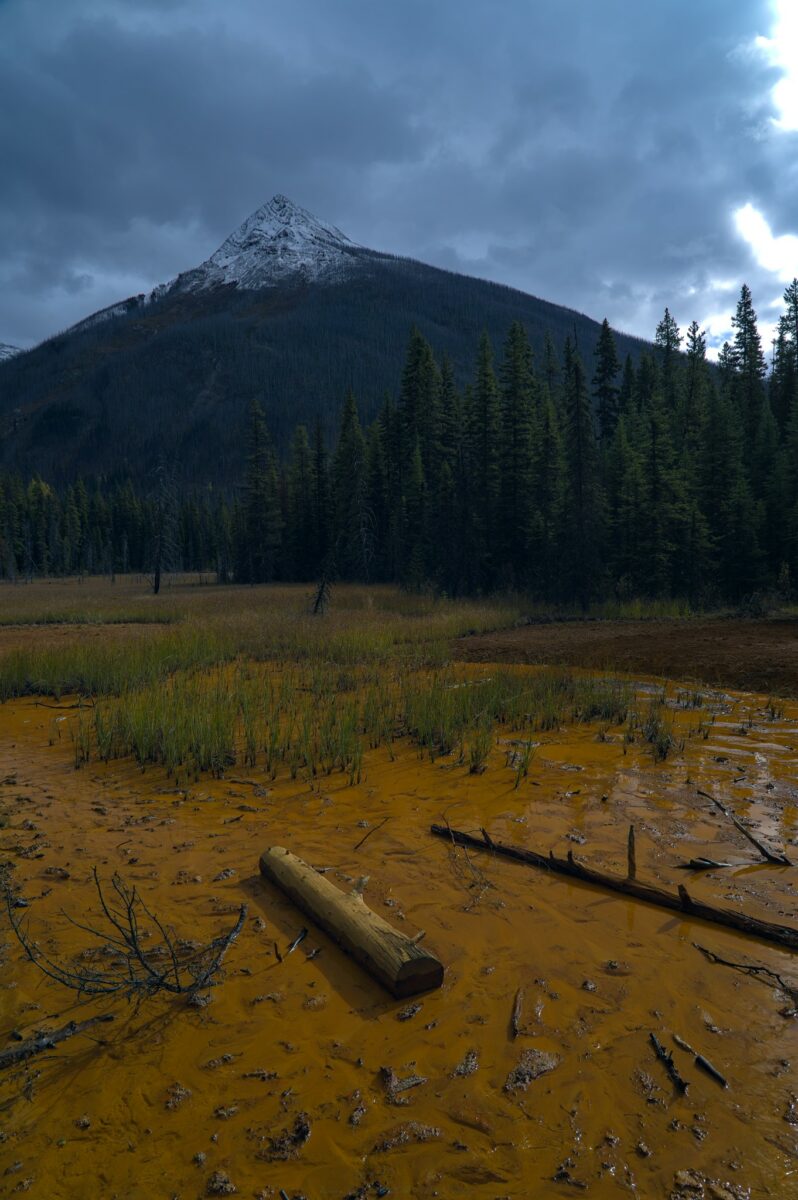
[[571, 482]]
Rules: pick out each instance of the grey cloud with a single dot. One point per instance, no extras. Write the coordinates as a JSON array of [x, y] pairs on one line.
[[589, 154]]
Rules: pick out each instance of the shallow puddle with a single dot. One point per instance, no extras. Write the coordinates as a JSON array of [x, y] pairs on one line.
[[169, 1101]]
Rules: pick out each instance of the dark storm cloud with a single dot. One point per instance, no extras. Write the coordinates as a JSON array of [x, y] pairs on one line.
[[591, 154]]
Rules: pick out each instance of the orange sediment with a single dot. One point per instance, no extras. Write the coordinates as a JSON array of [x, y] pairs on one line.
[[167, 1097]]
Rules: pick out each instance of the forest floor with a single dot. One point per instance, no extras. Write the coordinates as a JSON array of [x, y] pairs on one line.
[[752, 654]]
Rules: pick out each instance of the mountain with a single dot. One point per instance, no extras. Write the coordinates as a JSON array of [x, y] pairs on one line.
[[7, 351], [288, 309]]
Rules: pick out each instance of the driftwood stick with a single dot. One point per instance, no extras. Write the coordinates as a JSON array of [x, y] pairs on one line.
[[631, 862], [780, 859], [752, 969], [702, 864], [666, 1058], [782, 935], [700, 1061], [46, 1041], [518, 1006], [373, 829]]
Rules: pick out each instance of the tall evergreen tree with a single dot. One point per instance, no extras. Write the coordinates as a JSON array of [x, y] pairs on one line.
[[605, 389]]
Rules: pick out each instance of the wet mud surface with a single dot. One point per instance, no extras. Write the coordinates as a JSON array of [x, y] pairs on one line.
[[755, 655], [280, 1082]]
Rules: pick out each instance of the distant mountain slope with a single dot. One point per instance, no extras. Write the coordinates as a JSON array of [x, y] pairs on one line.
[[288, 309], [7, 351]]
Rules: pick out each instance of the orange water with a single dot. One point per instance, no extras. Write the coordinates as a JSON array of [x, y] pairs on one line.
[[607, 1116]]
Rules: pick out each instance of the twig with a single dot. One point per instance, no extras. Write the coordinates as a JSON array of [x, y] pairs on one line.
[[515, 1019], [700, 1061], [373, 829], [750, 969], [666, 1058], [780, 859]]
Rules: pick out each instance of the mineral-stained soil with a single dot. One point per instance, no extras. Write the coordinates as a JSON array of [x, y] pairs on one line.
[[278, 1082], [757, 655]]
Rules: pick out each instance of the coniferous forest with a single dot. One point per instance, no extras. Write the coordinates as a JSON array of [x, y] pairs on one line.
[[570, 476]]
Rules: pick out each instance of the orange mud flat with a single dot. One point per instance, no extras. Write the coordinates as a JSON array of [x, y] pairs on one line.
[[756, 655], [276, 1086]]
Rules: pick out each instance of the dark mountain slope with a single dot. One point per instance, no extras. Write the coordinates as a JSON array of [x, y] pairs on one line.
[[171, 374]]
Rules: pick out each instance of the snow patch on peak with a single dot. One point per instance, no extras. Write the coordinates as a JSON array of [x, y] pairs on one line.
[[279, 240], [7, 351]]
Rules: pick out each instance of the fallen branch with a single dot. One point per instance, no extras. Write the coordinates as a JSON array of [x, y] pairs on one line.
[[780, 859], [683, 903], [666, 1058], [47, 1040], [751, 969], [182, 968], [373, 829], [515, 1020], [700, 1061], [702, 864]]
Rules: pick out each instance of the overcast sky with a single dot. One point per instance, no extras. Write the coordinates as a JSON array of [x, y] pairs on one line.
[[614, 157]]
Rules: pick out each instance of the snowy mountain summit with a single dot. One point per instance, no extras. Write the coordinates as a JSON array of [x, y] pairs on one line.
[[278, 241], [7, 351]]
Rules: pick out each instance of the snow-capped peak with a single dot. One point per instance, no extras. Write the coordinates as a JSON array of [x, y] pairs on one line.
[[7, 351], [279, 240]]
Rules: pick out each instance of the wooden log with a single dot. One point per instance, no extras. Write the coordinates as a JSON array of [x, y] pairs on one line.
[[397, 961], [782, 935], [631, 861]]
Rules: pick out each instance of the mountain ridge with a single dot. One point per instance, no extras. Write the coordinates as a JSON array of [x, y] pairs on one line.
[[287, 310]]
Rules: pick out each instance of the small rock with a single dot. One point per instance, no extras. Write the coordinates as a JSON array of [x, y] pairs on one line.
[[220, 1184]]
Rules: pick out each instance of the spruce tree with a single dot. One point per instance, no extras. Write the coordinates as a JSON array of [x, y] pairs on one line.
[[260, 527], [518, 438], [584, 502], [605, 389], [353, 525]]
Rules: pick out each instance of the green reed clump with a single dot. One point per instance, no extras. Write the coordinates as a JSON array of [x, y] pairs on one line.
[[313, 719], [109, 668], [657, 729], [479, 747]]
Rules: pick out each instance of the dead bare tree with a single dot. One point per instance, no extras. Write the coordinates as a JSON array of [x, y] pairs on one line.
[[131, 967]]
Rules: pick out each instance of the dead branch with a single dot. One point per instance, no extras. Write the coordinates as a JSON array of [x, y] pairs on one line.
[[47, 1040], [683, 902], [169, 965], [373, 829], [666, 1058], [752, 969], [701, 1062], [780, 859], [518, 1007]]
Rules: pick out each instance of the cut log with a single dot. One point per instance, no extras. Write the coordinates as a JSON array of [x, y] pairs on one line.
[[397, 961], [782, 935]]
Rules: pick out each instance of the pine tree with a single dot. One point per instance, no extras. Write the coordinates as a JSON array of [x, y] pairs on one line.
[[584, 502], [353, 526], [518, 438], [605, 389], [260, 527], [748, 364], [300, 550], [485, 460]]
